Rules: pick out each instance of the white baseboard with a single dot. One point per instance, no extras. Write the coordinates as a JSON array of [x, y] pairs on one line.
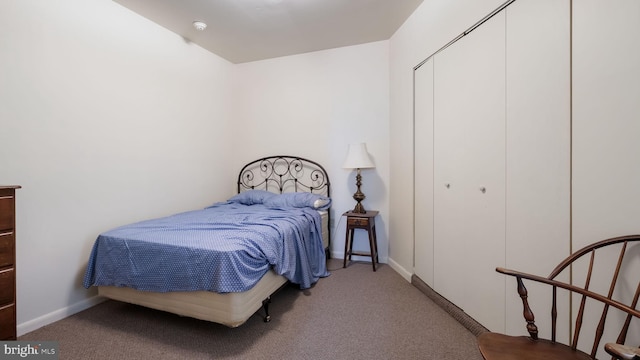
[[394, 265], [31, 325], [400, 270]]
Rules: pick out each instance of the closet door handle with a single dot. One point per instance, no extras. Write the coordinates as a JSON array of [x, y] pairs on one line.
[[447, 185], [483, 189]]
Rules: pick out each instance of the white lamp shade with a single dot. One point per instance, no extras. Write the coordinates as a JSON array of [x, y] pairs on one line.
[[358, 157]]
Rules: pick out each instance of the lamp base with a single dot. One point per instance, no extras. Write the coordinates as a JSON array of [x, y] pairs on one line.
[[359, 209], [359, 196]]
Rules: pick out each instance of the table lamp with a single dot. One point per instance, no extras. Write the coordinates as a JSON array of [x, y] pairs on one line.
[[358, 158]]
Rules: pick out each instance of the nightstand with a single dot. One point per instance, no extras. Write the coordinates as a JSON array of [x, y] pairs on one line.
[[365, 221]]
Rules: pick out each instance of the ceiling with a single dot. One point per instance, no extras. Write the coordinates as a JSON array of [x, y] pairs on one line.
[[249, 30]]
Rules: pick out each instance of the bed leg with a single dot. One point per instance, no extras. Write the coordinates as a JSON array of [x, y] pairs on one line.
[[265, 305]]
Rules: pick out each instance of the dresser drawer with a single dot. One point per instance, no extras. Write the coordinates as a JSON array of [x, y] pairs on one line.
[[7, 287], [7, 246], [8, 322], [355, 221], [7, 211]]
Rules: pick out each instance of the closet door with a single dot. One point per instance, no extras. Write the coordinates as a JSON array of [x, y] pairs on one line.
[[606, 119], [606, 129], [538, 151], [469, 172], [423, 173]]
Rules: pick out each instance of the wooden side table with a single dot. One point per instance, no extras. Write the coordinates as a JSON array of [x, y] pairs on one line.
[[365, 221]]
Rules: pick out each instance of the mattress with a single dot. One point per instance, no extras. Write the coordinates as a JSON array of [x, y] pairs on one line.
[[230, 309], [226, 247], [324, 215]]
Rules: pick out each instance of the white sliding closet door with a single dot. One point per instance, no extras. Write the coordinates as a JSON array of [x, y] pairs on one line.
[[492, 129], [423, 173], [538, 153], [606, 113], [606, 135], [469, 172]]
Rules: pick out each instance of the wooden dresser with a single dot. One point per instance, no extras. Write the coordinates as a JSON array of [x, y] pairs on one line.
[[7, 262]]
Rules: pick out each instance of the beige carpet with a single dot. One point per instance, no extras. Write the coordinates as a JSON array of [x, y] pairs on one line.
[[353, 314]]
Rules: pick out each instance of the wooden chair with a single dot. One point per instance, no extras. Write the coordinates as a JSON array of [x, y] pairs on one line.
[[494, 346]]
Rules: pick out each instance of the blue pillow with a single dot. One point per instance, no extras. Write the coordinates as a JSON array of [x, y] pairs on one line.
[[298, 200], [251, 197]]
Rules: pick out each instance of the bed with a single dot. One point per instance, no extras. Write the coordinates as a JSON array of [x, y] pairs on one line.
[[223, 263]]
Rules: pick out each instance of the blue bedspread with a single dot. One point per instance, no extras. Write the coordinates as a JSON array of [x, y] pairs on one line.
[[227, 247]]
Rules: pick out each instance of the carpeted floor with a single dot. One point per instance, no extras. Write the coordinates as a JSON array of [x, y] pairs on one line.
[[353, 314]]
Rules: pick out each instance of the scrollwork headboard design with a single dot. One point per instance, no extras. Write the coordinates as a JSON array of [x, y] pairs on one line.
[[282, 173]]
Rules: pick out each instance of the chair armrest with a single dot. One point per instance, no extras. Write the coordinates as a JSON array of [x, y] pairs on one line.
[[570, 287], [622, 352]]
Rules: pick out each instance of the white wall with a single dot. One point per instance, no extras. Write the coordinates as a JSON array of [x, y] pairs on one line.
[[431, 26], [315, 105], [108, 118], [84, 82], [105, 118]]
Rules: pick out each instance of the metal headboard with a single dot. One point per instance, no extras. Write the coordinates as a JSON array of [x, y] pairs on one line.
[[282, 173]]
